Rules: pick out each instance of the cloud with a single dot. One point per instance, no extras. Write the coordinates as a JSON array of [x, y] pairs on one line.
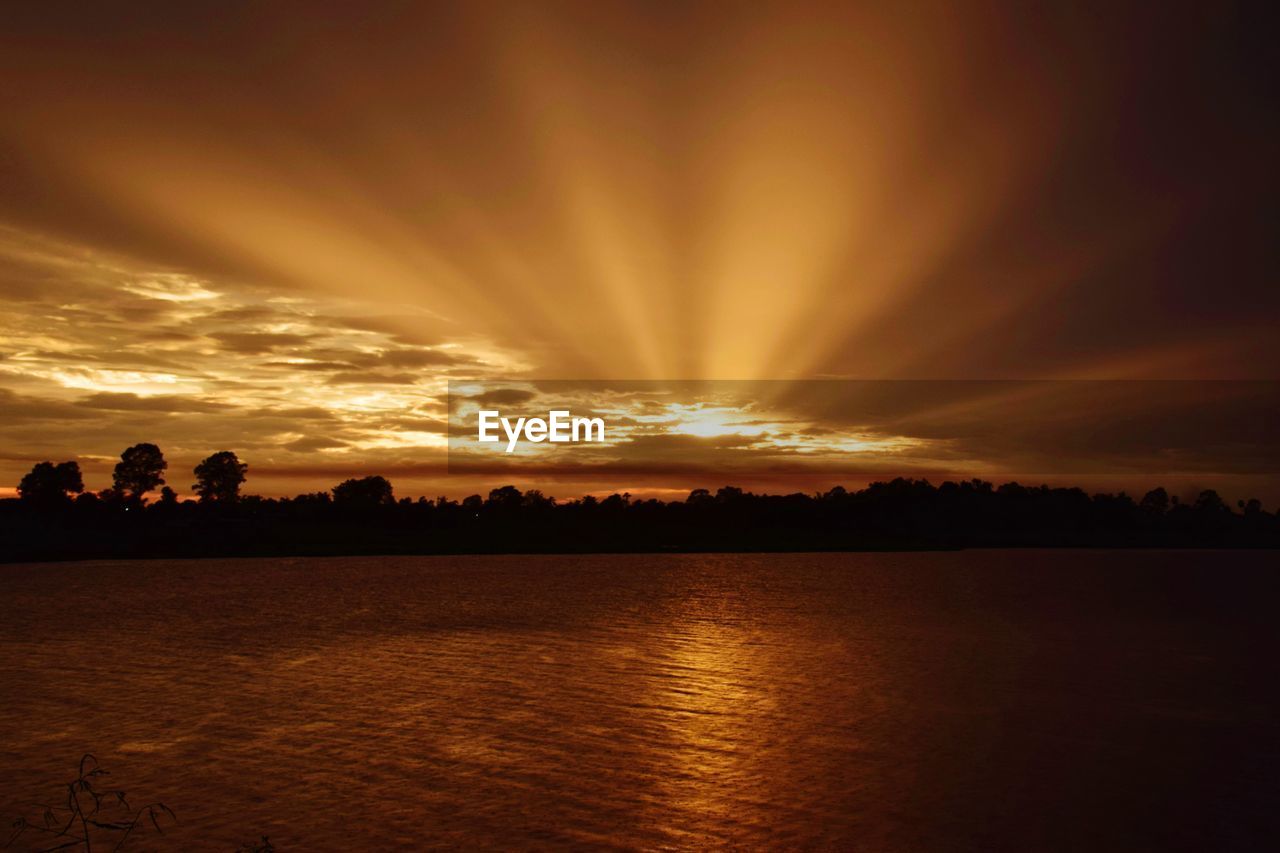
[[504, 397], [303, 413], [304, 445], [20, 409], [436, 425], [422, 358], [311, 366], [158, 403], [374, 377], [101, 351], [257, 343], [414, 328]]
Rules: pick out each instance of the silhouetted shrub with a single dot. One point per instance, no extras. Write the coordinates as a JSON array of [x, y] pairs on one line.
[[90, 811]]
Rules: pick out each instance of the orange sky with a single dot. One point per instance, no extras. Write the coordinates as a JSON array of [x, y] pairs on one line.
[[282, 231]]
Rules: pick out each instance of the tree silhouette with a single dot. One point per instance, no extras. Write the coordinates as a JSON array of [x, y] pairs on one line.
[[505, 498], [1209, 501], [139, 471], [535, 499], [699, 497], [362, 516], [1156, 500], [367, 491], [47, 483], [219, 476]]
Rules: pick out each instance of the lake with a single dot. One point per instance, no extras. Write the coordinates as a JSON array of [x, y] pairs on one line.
[[979, 700]]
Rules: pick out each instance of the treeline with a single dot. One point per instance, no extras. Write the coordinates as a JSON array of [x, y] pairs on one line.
[[56, 519], [140, 470]]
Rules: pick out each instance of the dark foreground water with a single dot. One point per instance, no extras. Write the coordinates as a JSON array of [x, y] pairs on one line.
[[980, 700]]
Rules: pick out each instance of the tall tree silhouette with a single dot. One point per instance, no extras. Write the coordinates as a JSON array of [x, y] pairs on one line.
[[47, 483], [218, 477], [139, 470], [367, 491]]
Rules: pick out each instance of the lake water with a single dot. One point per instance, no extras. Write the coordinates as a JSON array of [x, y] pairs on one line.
[[1020, 700]]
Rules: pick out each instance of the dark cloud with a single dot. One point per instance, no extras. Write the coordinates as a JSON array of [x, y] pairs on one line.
[[304, 445], [246, 314], [166, 336], [311, 366], [158, 403], [373, 377], [422, 358], [19, 408], [675, 445], [334, 359], [259, 343], [504, 397], [300, 413], [435, 425]]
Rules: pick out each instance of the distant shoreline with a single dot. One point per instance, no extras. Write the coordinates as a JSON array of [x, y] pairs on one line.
[[900, 515]]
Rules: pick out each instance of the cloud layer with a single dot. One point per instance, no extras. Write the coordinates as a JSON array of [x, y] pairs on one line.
[[282, 232]]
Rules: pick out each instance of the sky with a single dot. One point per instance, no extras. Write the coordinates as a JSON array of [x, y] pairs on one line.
[[284, 229]]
